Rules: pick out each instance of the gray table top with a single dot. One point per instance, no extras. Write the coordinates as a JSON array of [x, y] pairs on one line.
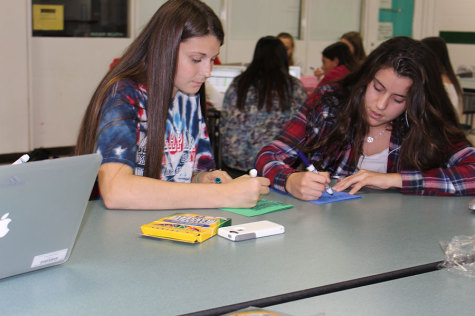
[[434, 293], [113, 270]]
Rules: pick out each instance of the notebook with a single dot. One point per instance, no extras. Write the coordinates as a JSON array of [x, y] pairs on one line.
[[42, 204]]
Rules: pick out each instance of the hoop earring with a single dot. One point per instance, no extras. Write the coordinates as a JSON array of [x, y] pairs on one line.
[[407, 121]]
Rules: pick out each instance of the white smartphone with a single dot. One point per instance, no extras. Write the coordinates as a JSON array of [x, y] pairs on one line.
[[471, 205], [250, 230]]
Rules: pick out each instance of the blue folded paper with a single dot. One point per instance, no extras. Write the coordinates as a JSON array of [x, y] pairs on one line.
[[327, 198]]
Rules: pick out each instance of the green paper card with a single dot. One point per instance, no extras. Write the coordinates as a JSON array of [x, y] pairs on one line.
[[262, 207]]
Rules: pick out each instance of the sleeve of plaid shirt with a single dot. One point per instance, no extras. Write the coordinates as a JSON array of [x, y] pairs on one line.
[[457, 178], [274, 161]]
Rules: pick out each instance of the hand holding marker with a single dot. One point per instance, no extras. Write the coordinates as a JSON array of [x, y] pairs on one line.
[[252, 173], [310, 167]]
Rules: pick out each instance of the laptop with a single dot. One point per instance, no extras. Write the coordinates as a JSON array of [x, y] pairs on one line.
[[42, 204], [223, 75]]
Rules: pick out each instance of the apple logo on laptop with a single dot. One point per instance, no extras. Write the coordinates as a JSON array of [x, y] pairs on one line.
[[4, 221]]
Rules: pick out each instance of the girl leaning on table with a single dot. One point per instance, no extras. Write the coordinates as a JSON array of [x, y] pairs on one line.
[[388, 125], [145, 119]]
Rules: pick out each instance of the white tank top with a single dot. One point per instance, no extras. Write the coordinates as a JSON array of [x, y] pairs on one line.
[[377, 162]]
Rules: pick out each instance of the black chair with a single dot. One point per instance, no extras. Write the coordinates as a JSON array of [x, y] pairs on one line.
[[468, 109], [212, 118]]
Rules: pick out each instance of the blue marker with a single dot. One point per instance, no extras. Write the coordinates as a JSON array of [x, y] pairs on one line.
[[217, 180], [310, 167]]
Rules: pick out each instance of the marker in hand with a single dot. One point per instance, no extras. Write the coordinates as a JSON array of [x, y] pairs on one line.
[[310, 167]]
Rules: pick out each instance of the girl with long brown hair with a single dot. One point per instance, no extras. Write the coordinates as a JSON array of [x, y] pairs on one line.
[[145, 119], [387, 125]]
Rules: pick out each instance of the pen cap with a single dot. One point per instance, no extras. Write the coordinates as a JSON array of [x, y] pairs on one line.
[[311, 168]]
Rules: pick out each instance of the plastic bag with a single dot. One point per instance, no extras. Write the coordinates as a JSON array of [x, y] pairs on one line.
[[460, 255]]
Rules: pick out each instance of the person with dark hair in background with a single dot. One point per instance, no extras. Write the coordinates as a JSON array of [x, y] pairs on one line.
[[387, 125], [145, 119], [257, 104], [337, 63], [452, 86]]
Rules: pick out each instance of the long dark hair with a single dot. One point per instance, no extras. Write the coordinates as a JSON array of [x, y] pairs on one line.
[[342, 52], [439, 47], [151, 60], [269, 74], [428, 125]]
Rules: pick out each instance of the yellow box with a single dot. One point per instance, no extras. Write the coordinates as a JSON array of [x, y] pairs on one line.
[[191, 228]]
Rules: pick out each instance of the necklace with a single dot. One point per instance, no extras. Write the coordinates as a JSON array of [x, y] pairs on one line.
[[370, 139]]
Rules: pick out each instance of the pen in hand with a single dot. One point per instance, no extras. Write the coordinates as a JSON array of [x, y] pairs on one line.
[[310, 167]]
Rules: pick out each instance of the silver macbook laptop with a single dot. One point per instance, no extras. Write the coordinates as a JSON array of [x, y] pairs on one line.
[[42, 204]]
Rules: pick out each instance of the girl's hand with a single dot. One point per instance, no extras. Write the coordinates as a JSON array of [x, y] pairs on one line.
[[210, 177], [245, 192], [318, 73], [370, 179], [307, 185]]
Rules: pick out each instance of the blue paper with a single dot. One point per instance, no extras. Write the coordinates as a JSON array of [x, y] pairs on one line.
[[328, 198]]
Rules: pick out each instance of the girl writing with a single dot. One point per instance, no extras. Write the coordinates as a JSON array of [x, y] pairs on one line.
[[145, 119], [388, 125]]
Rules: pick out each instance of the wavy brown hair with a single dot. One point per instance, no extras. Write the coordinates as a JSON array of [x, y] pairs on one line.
[[291, 38], [428, 125], [357, 42], [151, 60]]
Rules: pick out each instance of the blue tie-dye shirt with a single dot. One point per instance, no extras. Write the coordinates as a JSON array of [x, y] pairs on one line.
[[123, 129]]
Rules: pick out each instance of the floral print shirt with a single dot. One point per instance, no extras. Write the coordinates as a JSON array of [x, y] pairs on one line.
[[244, 133]]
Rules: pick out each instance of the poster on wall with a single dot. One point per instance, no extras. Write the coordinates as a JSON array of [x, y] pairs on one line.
[[385, 30], [48, 17]]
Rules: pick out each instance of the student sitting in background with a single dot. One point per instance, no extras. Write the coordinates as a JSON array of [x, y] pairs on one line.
[[337, 63], [288, 40], [257, 104], [387, 126], [451, 83], [355, 44], [145, 119]]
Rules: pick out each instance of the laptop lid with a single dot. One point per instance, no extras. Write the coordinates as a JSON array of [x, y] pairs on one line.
[[42, 204], [223, 75]]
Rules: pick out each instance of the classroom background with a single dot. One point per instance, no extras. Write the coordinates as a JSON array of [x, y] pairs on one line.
[[48, 80]]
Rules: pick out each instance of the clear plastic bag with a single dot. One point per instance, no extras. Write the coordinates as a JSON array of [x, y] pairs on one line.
[[460, 255]]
